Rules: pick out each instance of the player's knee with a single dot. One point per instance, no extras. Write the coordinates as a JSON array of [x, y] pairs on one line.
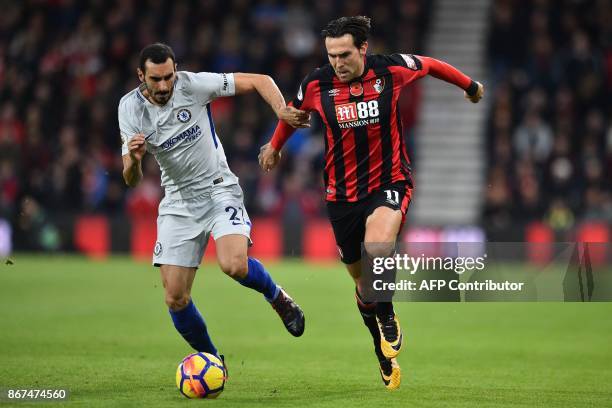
[[176, 300], [235, 267]]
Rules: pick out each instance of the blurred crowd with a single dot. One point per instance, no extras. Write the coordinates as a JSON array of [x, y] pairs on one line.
[[64, 65], [550, 128]]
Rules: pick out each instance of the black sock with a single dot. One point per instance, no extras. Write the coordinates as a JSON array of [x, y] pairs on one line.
[[368, 314], [384, 310]]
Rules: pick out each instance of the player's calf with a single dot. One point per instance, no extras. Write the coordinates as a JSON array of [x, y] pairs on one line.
[[249, 272], [379, 249], [367, 310], [389, 368], [388, 324], [185, 316], [290, 313], [189, 322]]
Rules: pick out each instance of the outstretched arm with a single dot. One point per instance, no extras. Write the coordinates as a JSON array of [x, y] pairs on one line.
[[266, 87], [474, 91], [270, 155]]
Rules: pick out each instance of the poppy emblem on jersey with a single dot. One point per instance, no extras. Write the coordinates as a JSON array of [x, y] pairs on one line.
[[158, 248], [356, 89], [379, 85], [183, 115]]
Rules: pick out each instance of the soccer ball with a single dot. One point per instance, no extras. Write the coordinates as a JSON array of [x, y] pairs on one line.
[[201, 375]]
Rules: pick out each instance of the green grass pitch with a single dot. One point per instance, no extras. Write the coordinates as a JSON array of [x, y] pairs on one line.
[[101, 330]]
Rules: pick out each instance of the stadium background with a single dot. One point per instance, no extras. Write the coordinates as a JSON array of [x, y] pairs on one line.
[[531, 162]]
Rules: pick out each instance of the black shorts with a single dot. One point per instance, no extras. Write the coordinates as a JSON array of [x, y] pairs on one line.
[[348, 219]]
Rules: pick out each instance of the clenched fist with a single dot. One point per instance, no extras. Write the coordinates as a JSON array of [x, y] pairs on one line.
[[477, 96], [137, 147], [268, 157]]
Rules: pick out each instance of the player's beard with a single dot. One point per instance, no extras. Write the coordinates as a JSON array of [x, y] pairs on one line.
[[162, 98], [158, 98]]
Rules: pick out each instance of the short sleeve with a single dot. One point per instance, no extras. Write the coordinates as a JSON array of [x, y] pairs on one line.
[[127, 129], [206, 86]]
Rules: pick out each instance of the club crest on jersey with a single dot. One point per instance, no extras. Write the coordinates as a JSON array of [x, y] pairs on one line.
[[183, 115], [379, 85], [158, 248], [356, 89]]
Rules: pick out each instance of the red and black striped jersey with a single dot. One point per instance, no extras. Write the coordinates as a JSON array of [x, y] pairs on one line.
[[364, 146]]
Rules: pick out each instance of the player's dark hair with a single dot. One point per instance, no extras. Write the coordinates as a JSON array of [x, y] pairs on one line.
[[157, 53], [357, 26]]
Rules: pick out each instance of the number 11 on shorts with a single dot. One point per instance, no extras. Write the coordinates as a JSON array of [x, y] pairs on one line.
[[392, 197]]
